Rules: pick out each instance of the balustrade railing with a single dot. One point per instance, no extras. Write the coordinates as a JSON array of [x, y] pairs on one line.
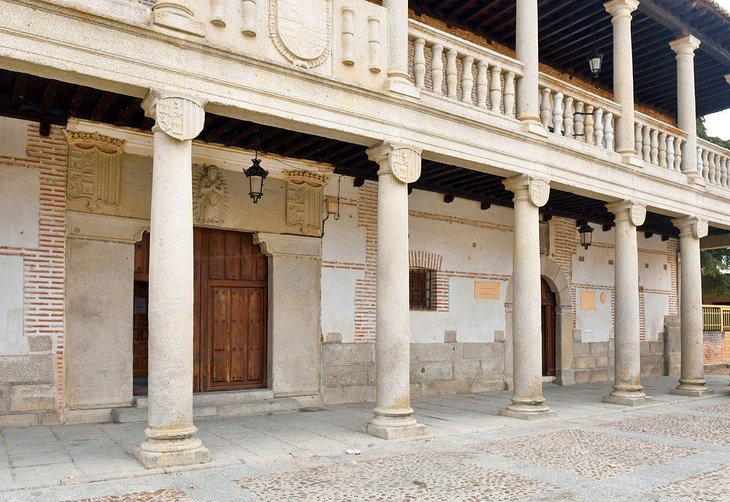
[[713, 163], [715, 318], [448, 66], [570, 111], [658, 143]]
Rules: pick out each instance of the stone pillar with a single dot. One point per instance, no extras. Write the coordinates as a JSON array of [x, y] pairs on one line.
[[527, 400], [526, 45], [623, 75], [686, 112], [398, 78], [692, 379], [399, 165], [627, 389], [170, 432]]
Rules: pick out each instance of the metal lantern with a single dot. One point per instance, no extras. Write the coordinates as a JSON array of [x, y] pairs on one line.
[[594, 63], [256, 176], [586, 235]]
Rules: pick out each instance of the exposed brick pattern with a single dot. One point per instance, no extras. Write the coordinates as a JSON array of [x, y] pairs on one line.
[[44, 266], [367, 217], [714, 348]]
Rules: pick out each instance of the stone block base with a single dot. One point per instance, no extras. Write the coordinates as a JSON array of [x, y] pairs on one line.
[[154, 459], [402, 86], [389, 432], [527, 411], [167, 447], [534, 127], [691, 392], [628, 401]]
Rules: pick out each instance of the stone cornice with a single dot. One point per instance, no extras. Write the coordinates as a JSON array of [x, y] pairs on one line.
[[99, 227]]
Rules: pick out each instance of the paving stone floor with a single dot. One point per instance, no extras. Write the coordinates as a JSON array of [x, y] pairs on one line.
[[676, 448]]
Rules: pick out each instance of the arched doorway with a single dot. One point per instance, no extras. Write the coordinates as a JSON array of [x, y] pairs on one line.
[[548, 329]]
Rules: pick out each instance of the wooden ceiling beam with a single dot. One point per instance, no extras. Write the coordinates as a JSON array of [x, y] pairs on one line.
[[76, 100], [20, 87], [106, 100]]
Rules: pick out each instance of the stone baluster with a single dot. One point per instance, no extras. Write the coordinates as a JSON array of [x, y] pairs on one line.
[[568, 117], [608, 130], [662, 155], [248, 14], [467, 79], [685, 48], [170, 434], [393, 415], [713, 168], [509, 94], [348, 36], [177, 15], [558, 113], [702, 153], [654, 147], [670, 153], [374, 45], [589, 124], [725, 173], [495, 89], [598, 132], [637, 138], [627, 389], [579, 121], [437, 69], [217, 13], [482, 84], [678, 153], [451, 76], [545, 102], [646, 144], [419, 62], [692, 378]]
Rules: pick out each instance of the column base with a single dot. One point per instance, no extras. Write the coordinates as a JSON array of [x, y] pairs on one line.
[[534, 127], [628, 397], [694, 178], [178, 22], [527, 411], [632, 159], [691, 388], [389, 425], [402, 85], [167, 448]]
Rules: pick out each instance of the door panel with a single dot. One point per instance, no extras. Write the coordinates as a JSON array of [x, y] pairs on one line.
[[548, 329]]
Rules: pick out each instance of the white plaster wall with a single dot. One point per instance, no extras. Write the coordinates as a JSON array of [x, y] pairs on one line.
[[338, 307], [595, 325], [595, 268], [14, 137], [12, 338], [654, 271], [656, 306], [473, 320], [19, 206], [344, 241]]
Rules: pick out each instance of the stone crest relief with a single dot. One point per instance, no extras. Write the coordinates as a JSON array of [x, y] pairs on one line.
[[539, 191], [302, 30], [637, 214], [405, 164], [94, 169], [305, 201], [210, 195], [179, 118]]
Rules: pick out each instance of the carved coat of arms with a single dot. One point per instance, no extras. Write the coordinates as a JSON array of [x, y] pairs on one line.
[[94, 168], [539, 191], [304, 201], [301, 30]]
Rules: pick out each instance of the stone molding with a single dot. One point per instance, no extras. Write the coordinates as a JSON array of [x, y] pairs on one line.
[[633, 211], [312, 179], [104, 228], [289, 245], [180, 117], [686, 44], [618, 8], [401, 160], [537, 190], [301, 30], [177, 15], [691, 226]]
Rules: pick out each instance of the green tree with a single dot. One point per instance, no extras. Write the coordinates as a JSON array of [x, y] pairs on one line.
[[702, 133], [715, 272]]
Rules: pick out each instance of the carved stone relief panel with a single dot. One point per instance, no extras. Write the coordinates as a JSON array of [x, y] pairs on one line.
[[94, 168], [210, 195], [305, 201], [301, 30]]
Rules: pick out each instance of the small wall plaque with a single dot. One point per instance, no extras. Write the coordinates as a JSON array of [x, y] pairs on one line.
[[486, 290], [588, 300]]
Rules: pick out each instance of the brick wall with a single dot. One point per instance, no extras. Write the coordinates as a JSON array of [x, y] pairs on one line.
[[714, 348], [32, 386]]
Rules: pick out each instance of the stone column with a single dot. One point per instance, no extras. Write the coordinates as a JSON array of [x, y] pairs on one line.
[[692, 379], [398, 78], [686, 112], [627, 389], [526, 45], [623, 75], [399, 165], [527, 400], [170, 432]]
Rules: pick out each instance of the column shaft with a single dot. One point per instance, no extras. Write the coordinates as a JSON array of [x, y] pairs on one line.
[[398, 78], [692, 378], [627, 387], [686, 108], [527, 400], [527, 51], [623, 72]]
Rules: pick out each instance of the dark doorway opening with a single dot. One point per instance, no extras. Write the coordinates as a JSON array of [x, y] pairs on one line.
[[548, 329]]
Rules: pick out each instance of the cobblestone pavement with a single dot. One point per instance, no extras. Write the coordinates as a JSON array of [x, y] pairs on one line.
[[675, 449]]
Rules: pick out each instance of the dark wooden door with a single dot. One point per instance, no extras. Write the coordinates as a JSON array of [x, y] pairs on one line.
[[233, 280], [548, 329], [230, 308]]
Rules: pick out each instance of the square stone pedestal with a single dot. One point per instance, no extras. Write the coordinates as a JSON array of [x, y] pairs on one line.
[[628, 401], [389, 432], [697, 392], [527, 415], [153, 460]]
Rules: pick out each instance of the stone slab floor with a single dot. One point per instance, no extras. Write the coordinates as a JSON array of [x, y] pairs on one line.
[[677, 448]]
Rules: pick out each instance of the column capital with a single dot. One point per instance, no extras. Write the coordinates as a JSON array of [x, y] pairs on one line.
[[536, 190], [179, 116], [631, 210], [686, 44], [693, 226], [619, 8], [401, 160]]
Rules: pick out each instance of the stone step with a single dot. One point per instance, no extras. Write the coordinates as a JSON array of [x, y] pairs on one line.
[[226, 409], [216, 398]]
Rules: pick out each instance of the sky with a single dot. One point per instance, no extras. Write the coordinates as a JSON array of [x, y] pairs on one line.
[[718, 124]]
